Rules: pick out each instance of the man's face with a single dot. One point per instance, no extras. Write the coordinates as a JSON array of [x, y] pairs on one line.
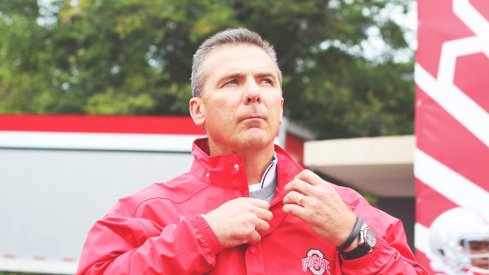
[[479, 251], [241, 106]]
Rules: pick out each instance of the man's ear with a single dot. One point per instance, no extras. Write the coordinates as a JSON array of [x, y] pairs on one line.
[[197, 110], [281, 110]]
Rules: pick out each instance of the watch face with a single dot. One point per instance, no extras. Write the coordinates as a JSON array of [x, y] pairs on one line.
[[370, 237]]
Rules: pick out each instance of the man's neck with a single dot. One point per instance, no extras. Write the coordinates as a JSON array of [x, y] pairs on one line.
[[256, 164]]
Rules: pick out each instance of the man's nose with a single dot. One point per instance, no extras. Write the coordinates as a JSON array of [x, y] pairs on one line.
[[252, 92]]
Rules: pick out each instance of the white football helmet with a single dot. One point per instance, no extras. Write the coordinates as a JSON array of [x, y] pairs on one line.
[[459, 240]]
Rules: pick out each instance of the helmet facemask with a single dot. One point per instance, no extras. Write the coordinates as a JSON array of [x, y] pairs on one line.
[[475, 249]]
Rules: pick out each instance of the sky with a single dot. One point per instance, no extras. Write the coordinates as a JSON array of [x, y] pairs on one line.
[[375, 46]]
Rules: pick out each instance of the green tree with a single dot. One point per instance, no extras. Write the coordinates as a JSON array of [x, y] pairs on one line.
[[134, 57]]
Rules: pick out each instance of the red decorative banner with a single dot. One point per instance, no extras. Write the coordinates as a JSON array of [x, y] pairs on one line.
[[452, 127]]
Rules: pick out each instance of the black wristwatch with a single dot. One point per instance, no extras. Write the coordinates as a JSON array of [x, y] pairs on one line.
[[365, 245]]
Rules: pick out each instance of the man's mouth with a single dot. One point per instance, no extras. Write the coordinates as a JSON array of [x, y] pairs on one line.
[[253, 117]]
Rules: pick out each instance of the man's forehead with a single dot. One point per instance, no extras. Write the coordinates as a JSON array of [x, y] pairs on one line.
[[224, 55], [235, 50]]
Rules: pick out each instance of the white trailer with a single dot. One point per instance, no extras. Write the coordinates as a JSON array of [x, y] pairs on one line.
[[59, 174]]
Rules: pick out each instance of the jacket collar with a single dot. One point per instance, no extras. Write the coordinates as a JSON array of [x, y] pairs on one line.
[[229, 171]]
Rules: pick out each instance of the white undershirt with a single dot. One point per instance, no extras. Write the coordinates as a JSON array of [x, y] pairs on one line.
[[265, 189]]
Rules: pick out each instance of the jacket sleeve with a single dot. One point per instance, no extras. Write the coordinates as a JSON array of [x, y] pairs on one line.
[[391, 254], [123, 245]]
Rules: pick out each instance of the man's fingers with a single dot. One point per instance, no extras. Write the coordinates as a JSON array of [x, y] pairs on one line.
[[260, 203], [240, 220], [294, 197], [309, 177], [263, 214], [295, 210], [261, 209], [255, 237], [300, 186], [261, 226]]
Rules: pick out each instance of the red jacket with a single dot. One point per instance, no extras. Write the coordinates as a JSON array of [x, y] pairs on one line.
[[160, 230]]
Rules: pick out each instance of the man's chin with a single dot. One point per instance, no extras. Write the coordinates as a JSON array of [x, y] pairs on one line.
[[256, 141]]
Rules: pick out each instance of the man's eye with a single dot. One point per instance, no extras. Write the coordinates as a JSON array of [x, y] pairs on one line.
[[475, 246], [267, 81], [231, 82]]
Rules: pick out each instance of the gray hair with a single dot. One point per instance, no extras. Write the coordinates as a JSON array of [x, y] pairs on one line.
[[229, 36]]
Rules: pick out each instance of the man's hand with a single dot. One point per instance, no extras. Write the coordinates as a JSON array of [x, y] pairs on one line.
[[315, 201], [240, 221]]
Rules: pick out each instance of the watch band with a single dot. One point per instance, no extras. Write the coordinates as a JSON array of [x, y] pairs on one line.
[[356, 253], [354, 233], [367, 243]]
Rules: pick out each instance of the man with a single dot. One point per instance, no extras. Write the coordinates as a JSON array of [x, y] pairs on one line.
[[245, 207], [459, 242]]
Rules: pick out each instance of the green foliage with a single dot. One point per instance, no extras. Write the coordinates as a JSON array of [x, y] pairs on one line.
[[134, 57]]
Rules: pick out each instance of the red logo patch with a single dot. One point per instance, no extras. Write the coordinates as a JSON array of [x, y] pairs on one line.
[[315, 262]]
